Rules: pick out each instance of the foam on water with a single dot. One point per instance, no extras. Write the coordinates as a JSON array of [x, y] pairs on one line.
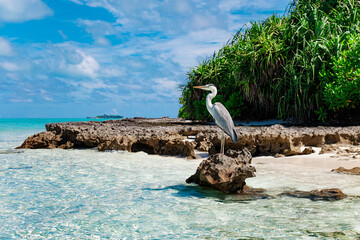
[[86, 194]]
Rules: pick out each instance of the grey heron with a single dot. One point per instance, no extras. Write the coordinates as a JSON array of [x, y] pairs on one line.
[[220, 114]]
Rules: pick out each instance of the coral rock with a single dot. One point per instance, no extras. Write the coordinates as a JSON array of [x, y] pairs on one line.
[[307, 151], [152, 136], [223, 173], [179, 147], [315, 195], [353, 171]]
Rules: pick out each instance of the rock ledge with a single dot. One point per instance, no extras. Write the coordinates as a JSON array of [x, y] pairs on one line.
[[168, 136]]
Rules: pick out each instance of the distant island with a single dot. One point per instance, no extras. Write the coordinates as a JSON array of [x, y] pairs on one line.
[[106, 116]]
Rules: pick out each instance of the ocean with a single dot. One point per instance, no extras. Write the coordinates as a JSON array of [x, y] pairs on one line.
[[86, 194]]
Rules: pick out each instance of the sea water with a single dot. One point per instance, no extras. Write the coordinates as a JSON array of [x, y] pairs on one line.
[[86, 194]]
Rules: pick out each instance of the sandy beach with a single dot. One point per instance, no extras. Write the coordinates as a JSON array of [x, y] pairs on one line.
[[305, 172], [327, 161]]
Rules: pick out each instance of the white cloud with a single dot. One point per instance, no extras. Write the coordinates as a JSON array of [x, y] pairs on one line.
[[88, 66], [188, 50], [5, 47], [114, 111], [21, 100], [102, 41], [170, 17], [100, 29], [252, 5], [63, 35], [13, 76], [23, 10], [71, 61], [9, 66], [166, 87], [77, 2], [44, 94], [97, 84], [139, 58]]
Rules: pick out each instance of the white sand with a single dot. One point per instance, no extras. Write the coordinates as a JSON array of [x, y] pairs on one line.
[[321, 161]]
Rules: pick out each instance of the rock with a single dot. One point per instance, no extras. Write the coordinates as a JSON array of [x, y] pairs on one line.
[[328, 149], [315, 195], [292, 151], [44, 140], [122, 143], [353, 171], [277, 155], [223, 173], [152, 135], [214, 150], [203, 146], [307, 150], [243, 155], [250, 193], [179, 147]]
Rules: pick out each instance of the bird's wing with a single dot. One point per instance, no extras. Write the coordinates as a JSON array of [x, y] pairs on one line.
[[224, 121]]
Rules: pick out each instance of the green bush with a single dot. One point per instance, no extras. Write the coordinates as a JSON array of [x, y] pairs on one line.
[[342, 80], [301, 66]]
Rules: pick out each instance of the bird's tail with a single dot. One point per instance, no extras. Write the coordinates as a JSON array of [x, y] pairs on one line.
[[234, 136]]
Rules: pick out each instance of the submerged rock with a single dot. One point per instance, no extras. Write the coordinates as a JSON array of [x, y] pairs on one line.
[[250, 193], [353, 171], [224, 173], [315, 195]]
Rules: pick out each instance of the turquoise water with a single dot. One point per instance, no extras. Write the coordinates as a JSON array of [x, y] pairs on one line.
[[86, 194]]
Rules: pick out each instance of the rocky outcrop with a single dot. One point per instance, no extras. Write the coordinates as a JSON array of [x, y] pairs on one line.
[[352, 171], [307, 151], [169, 136], [316, 195], [224, 173], [46, 140]]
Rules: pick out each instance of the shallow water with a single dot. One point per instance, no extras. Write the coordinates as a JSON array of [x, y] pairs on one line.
[[86, 194]]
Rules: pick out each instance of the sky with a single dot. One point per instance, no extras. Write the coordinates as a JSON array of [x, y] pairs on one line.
[[79, 58]]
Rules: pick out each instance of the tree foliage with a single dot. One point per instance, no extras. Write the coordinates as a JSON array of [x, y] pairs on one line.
[[302, 66]]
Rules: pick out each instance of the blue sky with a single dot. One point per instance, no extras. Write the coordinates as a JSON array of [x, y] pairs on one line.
[[79, 58]]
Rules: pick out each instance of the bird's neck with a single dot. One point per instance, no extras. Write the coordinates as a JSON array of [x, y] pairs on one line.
[[209, 97]]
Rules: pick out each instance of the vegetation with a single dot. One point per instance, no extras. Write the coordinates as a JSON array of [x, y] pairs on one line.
[[303, 66]]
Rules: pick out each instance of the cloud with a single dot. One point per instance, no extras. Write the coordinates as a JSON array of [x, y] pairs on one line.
[[87, 67], [9, 66], [66, 60], [136, 60], [252, 5], [63, 35], [5, 48], [166, 87], [100, 29], [23, 10], [165, 17], [46, 96], [190, 49], [21, 100]]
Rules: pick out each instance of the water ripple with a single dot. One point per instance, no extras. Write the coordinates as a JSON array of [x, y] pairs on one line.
[[85, 194]]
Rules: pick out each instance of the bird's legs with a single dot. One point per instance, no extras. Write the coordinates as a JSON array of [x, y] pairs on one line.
[[222, 142]]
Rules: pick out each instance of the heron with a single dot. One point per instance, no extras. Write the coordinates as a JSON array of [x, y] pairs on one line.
[[220, 114]]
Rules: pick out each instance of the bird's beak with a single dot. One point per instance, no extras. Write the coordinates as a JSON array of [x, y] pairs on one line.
[[200, 87]]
